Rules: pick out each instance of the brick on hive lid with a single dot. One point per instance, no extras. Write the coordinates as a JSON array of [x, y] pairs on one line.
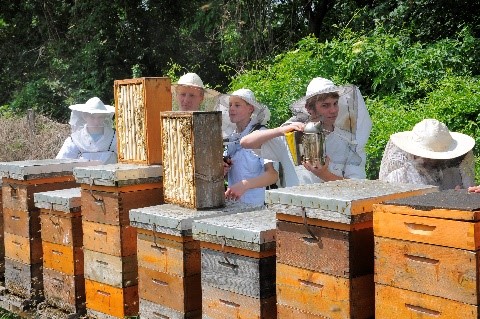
[[121, 174], [64, 200]]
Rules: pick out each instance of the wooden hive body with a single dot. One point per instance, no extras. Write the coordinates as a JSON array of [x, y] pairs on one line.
[[138, 103], [169, 258], [325, 246], [427, 255], [192, 159]]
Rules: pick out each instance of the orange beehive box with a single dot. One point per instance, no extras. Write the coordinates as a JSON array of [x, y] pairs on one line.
[[109, 239], [111, 301], [138, 103], [65, 259]]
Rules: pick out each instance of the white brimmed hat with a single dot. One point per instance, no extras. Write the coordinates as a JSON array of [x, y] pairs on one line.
[[192, 79], [93, 106], [432, 139], [261, 113]]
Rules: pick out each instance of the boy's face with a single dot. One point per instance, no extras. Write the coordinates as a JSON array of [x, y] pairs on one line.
[[239, 110], [189, 98], [326, 110]]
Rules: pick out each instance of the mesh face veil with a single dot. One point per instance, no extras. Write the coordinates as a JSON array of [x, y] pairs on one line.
[[78, 122]]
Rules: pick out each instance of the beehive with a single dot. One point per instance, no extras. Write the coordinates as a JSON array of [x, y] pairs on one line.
[[62, 245], [169, 258], [2, 242], [108, 192], [427, 256], [325, 246], [192, 159], [138, 103], [238, 265]]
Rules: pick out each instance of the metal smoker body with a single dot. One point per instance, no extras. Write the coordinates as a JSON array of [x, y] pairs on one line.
[[313, 142]]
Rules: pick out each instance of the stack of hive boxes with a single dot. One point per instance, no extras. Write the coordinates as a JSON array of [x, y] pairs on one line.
[[108, 192], [62, 241], [427, 261], [325, 246], [23, 244], [238, 265]]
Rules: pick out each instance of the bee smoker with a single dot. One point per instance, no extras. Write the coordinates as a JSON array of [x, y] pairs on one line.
[[308, 145]]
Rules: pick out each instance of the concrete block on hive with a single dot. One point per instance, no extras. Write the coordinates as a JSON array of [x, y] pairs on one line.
[[192, 159], [63, 200], [138, 103]]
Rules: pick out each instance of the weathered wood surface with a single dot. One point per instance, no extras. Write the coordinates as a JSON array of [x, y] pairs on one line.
[[220, 304], [113, 301], [23, 249], [22, 223], [112, 208], [159, 288], [153, 310], [115, 271], [435, 270], [396, 303], [45, 311], [65, 259], [19, 195], [325, 295], [62, 229], [335, 252], [159, 252], [63, 291], [24, 280], [110, 239], [436, 231], [243, 275], [138, 103], [286, 312], [64, 200], [192, 159]]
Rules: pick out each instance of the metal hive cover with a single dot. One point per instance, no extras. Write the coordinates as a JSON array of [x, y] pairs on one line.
[[61, 200], [254, 227], [348, 196], [177, 220], [114, 174], [25, 170]]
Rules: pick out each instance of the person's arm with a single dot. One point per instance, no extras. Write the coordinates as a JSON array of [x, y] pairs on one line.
[[321, 170], [474, 189], [268, 177], [255, 139], [68, 149]]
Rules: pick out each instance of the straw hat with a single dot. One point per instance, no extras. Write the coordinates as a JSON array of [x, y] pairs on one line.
[[432, 139], [193, 80], [93, 106], [261, 113]]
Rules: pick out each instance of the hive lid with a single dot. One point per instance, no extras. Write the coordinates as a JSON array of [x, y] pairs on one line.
[[64, 200], [249, 230], [348, 196], [176, 220], [34, 169], [118, 174], [450, 204]]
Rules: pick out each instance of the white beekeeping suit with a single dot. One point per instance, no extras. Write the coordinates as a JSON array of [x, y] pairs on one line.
[[93, 137]]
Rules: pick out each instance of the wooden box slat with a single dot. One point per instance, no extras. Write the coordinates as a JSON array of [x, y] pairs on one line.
[[435, 270], [325, 295], [436, 231], [192, 159], [112, 207], [396, 303], [153, 310], [65, 259], [109, 239], [62, 229], [254, 277], [24, 280], [159, 288], [220, 304], [138, 103], [63, 291], [22, 223], [161, 253], [115, 271], [347, 254], [117, 302], [286, 312], [23, 249], [19, 195]]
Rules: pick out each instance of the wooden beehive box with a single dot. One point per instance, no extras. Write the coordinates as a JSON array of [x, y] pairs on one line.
[[192, 159], [2, 243], [105, 301], [238, 264], [429, 246], [138, 103], [169, 258], [325, 242], [112, 270]]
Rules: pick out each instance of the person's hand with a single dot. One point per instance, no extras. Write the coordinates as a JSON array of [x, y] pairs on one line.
[[294, 126], [236, 191], [474, 189], [317, 168]]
